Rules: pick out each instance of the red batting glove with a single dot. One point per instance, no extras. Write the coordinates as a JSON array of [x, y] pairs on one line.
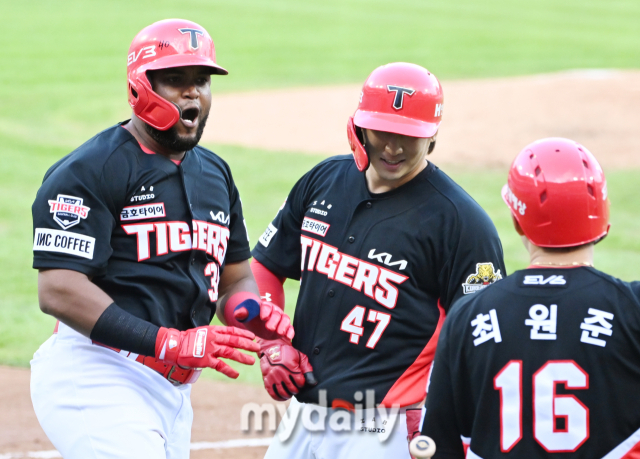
[[275, 320], [201, 347], [414, 416], [265, 319], [285, 370]]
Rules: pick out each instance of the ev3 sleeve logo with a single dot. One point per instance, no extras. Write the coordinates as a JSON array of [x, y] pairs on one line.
[[68, 210]]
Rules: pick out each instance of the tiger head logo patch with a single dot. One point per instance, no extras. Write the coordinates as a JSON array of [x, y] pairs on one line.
[[485, 275]]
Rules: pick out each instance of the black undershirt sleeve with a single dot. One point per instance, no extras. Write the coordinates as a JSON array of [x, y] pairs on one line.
[[122, 330]]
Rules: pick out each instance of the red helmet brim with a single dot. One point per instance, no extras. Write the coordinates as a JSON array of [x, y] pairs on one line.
[[395, 123]]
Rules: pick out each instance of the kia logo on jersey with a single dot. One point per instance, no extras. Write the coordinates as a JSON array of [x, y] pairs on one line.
[[68, 210], [385, 258], [220, 217]]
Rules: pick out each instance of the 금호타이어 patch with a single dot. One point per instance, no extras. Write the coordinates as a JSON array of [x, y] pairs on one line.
[[143, 211], [315, 226]]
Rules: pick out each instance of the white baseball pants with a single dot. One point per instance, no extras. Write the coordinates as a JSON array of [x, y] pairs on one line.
[[94, 403]]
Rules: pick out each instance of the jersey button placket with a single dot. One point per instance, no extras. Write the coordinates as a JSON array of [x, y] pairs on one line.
[[331, 293], [316, 350], [368, 205], [351, 239]]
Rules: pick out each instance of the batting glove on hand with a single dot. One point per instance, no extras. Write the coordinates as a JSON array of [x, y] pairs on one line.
[[414, 416], [201, 347], [265, 319], [285, 370]]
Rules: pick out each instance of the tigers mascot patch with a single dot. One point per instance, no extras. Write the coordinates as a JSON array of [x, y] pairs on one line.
[[485, 275]]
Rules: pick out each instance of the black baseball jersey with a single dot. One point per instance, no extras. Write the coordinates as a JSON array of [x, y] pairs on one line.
[[543, 364], [152, 234], [378, 272]]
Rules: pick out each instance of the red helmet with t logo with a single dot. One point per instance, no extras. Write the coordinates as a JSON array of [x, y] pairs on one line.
[[401, 98], [162, 45]]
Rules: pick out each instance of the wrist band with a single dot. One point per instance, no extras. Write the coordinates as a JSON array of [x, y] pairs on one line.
[[122, 330]]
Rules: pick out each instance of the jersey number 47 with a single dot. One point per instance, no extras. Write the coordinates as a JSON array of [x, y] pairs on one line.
[[352, 324]]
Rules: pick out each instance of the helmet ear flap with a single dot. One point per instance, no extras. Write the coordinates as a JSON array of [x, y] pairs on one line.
[[359, 153], [150, 107]]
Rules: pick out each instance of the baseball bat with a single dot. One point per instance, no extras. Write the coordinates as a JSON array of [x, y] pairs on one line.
[[422, 447]]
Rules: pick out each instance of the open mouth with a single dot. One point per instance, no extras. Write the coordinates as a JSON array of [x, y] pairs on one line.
[[190, 116]]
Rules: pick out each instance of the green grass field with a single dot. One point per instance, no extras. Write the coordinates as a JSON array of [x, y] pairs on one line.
[[62, 79]]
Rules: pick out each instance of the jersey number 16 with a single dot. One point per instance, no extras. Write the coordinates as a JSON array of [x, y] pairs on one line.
[[548, 407]]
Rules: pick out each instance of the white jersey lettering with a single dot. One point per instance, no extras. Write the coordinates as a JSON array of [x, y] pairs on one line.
[[375, 282], [178, 237]]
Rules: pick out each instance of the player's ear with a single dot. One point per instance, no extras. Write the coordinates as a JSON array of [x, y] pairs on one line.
[[432, 143], [517, 226]]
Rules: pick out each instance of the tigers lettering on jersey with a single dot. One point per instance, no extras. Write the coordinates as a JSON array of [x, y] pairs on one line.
[[177, 237], [374, 281]]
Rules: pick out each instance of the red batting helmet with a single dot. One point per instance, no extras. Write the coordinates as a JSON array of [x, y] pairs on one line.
[[558, 194], [400, 98], [162, 45]]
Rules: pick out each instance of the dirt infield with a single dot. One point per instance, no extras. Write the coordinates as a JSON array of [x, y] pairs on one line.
[[485, 124]]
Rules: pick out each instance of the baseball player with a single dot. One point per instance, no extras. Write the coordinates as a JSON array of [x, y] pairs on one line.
[[383, 246], [139, 239], [546, 363]]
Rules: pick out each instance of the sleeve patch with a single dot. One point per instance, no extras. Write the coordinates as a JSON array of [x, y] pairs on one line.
[[50, 240], [268, 234], [485, 275], [68, 210], [315, 226], [141, 212]]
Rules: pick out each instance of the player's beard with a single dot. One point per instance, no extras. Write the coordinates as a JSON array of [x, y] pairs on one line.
[[171, 139]]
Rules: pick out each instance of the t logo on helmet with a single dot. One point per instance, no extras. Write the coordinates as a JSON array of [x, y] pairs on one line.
[[400, 92], [194, 36]]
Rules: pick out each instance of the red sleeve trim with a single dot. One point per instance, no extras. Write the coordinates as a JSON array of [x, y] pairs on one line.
[[411, 387]]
